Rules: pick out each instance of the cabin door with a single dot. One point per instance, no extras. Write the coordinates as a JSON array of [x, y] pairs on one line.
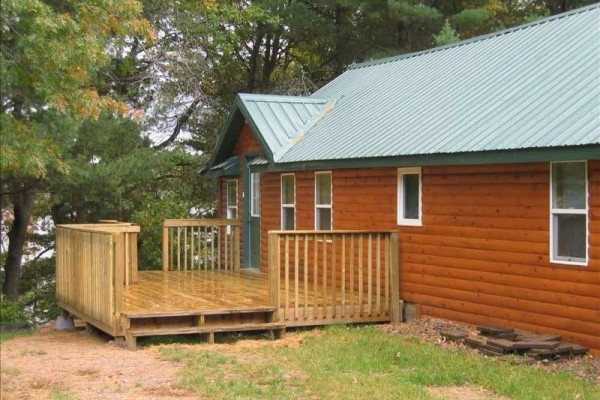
[[252, 218]]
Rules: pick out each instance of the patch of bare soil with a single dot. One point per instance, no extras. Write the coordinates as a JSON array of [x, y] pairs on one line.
[[85, 366], [464, 393], [428, 329]]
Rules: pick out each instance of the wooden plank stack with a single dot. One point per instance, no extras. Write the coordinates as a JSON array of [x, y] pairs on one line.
[[505, 342]]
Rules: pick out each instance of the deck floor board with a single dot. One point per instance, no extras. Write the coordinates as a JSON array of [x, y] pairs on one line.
[[181, 291]]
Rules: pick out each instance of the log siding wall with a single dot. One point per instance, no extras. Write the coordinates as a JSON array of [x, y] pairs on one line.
[[482, 254]]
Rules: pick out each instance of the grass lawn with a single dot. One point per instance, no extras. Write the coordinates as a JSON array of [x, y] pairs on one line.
[[361, 363]]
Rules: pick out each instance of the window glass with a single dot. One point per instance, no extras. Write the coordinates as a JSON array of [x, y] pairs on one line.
[[231, 193], [255, 194], [287, 189], [323, 187], [571, 235], [323, 218], [568, 185], [411, 196], [288, 217]]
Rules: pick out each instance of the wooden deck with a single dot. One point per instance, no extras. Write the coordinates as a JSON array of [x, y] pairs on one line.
[[158, 293], [314, 278], [184, 293]]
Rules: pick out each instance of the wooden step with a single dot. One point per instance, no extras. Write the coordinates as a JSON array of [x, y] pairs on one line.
[[207, 330], [146, 314], [204, 329]]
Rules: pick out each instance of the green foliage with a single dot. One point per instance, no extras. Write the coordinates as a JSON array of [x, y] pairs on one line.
[[358, 363], [38, 286], [11, 311], [446, 36]]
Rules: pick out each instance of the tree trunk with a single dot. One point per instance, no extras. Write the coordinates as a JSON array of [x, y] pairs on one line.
[[22, 207]]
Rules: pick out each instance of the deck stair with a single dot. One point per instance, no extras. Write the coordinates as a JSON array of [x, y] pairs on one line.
[[204, 322]]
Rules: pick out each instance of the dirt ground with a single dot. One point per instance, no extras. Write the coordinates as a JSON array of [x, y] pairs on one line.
[[86, 366], [75, 364]]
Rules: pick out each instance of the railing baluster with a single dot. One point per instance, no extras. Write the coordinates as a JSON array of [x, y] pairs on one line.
[[296, 277], [370, 276], [360, 274], [178, 249], [315, 277], [185, 243], [387, 273], [343, 283], [287, 278], [192, 248], [212, 248], [333, 280], [172, 247], [352, 237], [378, 273], [324, 276], [226, 250], [219, 236], [205, 247], [305, 276]]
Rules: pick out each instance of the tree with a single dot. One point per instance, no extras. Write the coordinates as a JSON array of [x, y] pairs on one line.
[[446, 36], [51, 55]]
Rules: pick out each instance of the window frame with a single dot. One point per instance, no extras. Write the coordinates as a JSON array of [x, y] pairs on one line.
[[287, 205], [401, 220], [324, 206], [254, 194], [569, 211]]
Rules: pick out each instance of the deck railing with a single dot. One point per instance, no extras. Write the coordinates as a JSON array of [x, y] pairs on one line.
[[94, 263], [201, 244], [320, 277]]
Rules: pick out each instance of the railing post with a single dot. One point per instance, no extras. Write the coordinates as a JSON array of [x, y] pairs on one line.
[[395, 312], [133, 257], [165, 248], [118, 266], [274, 279]]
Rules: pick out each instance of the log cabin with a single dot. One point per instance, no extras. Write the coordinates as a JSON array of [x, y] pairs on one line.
[[482, 158], [461, 182]]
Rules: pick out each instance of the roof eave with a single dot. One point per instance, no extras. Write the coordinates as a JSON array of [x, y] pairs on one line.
[[548, 154]]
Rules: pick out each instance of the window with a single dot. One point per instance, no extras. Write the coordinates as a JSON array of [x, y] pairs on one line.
[[568, 213], [323, 194], [288, 202], [232, 189], [255, 194], [409, 196]]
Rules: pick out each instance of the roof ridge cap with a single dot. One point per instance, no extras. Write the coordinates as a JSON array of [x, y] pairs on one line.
[[475, 39], [265, 97]]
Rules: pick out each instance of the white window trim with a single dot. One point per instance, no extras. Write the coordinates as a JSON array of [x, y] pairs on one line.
[[583, 211], [284, 205], [253, 212], [400, 199], [329, 206]]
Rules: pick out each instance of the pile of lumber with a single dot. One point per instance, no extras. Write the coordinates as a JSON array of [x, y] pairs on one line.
[[507, 342]]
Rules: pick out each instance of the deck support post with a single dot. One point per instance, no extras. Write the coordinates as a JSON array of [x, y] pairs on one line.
[[395, 311], [208, 337], [131, 342]]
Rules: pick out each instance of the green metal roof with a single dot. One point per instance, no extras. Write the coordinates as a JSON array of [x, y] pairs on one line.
[[532, 87], [277, 121], [229, 167]]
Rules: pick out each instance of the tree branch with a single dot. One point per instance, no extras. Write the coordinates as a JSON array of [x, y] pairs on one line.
[[182, 120]]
